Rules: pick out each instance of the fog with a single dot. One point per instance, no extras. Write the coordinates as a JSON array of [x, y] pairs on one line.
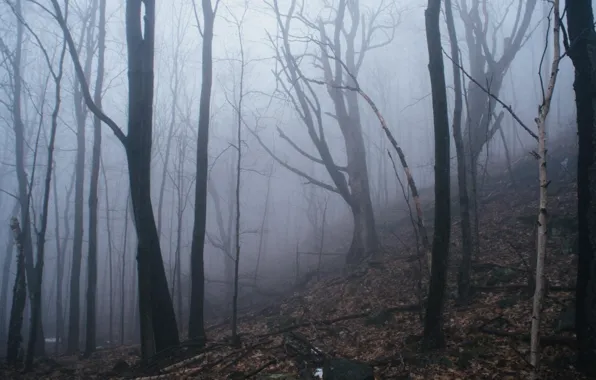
[[280, 212]]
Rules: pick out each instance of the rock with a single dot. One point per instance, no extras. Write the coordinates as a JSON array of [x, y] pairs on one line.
[[345, 369], [121, 366]]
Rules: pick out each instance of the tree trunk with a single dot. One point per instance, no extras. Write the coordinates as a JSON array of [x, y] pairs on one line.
[[77, 245], [19, 298], [262, 229], [123, 274], [463, 283], [164, 172], [91, 334], [582, 37], [6, 266], [61, 245], [158, 320], [433, 323], [539, 289], [23, 184], [196, 324], [110, 254], [36, 304]]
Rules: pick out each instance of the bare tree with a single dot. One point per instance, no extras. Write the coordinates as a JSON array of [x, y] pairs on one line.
[[237, 104], [487, 69], [41, 233], [87, 39], [61, 245], [543, 183], [347, 24], [433, 322], [580, 46], [224, 240], [90, 332], [464, 200], [157, 317], [196, 323], [14, 59], [177, 68], [183, 190]]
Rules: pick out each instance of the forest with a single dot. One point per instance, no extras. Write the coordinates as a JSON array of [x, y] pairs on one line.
[[293, 189]]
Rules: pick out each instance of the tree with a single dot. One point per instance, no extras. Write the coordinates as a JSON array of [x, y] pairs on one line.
[[329, 56], [539, 289], [16, 76], [61, 245], [581, 47], [41, 234], [433, 321], [196, 323], [463, 283], [223, 241], [87, 32], [6, 271], [487, 69], [95, 163], [157, 317]]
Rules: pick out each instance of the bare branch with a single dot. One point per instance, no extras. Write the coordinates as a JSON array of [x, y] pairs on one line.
[[505, 106]]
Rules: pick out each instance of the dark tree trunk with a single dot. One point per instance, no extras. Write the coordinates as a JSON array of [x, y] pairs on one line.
[[158, 320], [582, 45], [90, 331], [19, 298], [196, 324], [158, 327], [5, 277], [433, 322]]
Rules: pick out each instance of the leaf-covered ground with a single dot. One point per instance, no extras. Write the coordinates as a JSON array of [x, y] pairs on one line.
[[371, 313]]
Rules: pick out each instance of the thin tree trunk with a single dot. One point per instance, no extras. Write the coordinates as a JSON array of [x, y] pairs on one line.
[[110, 250], [6, 266], [123, 274], [61, 257], [91, 333], [20, 161], [235, 337], [262, 229], [433, 322], [466, 263], [19, 298], [542, 213], [173, 111], [36, 304], [196, 323], [74, 314]]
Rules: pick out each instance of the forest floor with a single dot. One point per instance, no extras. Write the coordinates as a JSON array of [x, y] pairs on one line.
[[371, 314]]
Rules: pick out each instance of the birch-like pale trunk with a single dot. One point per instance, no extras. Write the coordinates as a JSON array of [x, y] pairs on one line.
[[542, 214]]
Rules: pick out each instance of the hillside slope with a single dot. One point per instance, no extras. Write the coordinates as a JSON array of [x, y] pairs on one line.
[[371, 315]]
